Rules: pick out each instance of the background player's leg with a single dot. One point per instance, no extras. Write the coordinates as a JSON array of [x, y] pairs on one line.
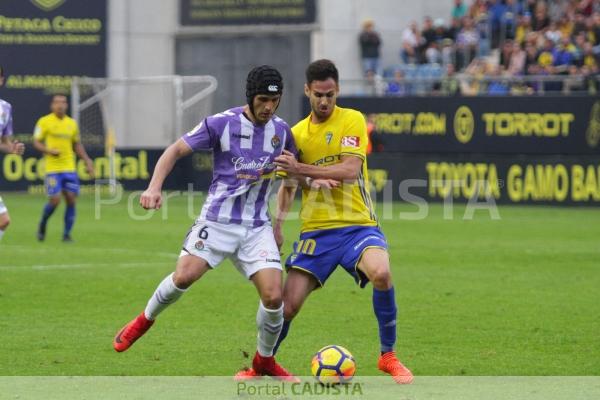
[[49, 209], [298, 285], [376, 265], [70, 199], [269, 317]]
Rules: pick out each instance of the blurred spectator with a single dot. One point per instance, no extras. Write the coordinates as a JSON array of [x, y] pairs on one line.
[[590, 59], [369, 47], [516, 65], [506, 53], [459, 10], [565, 25], [496, 85], [590, 31], [449, 85], [471, 83], [467, 42], [540, 18], [428, 36], [553, 33], [531, 60], [585, 7], [579, 25], [578, 52], [411, 40], [448, 52], [563, 55], [440, 32], [374, 84], [375, 143], [433, 54], [455, 27], [546, 58], [523, 28], [478, 9], [397, 87]]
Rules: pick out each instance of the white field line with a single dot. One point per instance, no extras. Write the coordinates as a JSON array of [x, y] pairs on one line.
[[17, 247], [78, 266]]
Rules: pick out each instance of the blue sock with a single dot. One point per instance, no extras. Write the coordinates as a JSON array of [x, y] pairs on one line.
[[48, 211], [282, 335], [384, 305], [69, 219]]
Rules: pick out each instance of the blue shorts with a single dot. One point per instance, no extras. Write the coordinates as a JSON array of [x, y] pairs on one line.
[[57, 182], [320, 252]]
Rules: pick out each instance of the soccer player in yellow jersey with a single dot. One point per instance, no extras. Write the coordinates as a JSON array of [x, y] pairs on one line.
[[57, 137], [339, 226]]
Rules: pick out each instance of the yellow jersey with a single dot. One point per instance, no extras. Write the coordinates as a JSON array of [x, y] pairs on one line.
[[344, 133], [58, 134]]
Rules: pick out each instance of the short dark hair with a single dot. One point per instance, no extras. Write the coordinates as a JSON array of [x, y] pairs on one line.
[[321, 70], [55, 95], [1, 70]]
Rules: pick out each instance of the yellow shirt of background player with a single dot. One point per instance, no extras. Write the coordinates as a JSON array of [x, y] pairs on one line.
[[344, 133], [58, 134]]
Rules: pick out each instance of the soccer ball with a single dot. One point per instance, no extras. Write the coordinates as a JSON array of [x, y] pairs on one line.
[[333, 364]]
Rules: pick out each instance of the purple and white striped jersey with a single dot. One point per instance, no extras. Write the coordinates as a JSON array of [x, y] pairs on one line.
[[6, 121], [243, 168]]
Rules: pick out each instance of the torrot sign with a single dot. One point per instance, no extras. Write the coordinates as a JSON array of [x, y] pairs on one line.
[[490, 125]]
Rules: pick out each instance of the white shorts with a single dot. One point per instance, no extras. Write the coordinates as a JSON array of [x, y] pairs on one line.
[[3, 208], [250, 249]]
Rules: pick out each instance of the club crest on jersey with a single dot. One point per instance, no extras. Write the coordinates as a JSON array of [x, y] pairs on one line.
[[275, 142], [328, 137], [47, 5], [351, 141], [199, 245]]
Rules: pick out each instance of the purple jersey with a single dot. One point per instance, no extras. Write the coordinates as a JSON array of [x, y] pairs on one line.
[[6, 122], [243, 168]]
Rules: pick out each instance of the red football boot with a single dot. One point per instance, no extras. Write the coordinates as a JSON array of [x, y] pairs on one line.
[[389, 363], [266, 366], [131, 332]]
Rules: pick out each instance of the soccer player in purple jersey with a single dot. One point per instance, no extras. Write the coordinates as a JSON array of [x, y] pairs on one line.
[[6, 146], [234, 222]]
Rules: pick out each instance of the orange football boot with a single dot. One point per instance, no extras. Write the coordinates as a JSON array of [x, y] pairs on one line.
[[389, 363], [265, 366], [131, 332]]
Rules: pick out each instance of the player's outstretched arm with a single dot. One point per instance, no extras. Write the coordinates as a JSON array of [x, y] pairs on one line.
[[152, 197], [346, 170]]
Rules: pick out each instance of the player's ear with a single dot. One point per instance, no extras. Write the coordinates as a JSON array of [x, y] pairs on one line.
[[306, 90]]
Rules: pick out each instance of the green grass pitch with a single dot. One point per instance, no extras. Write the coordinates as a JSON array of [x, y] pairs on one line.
[[517, 296]]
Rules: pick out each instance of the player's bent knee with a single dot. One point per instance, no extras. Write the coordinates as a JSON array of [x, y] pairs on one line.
[[290, 310], [271, 299], [381, 278], [183, 280]]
